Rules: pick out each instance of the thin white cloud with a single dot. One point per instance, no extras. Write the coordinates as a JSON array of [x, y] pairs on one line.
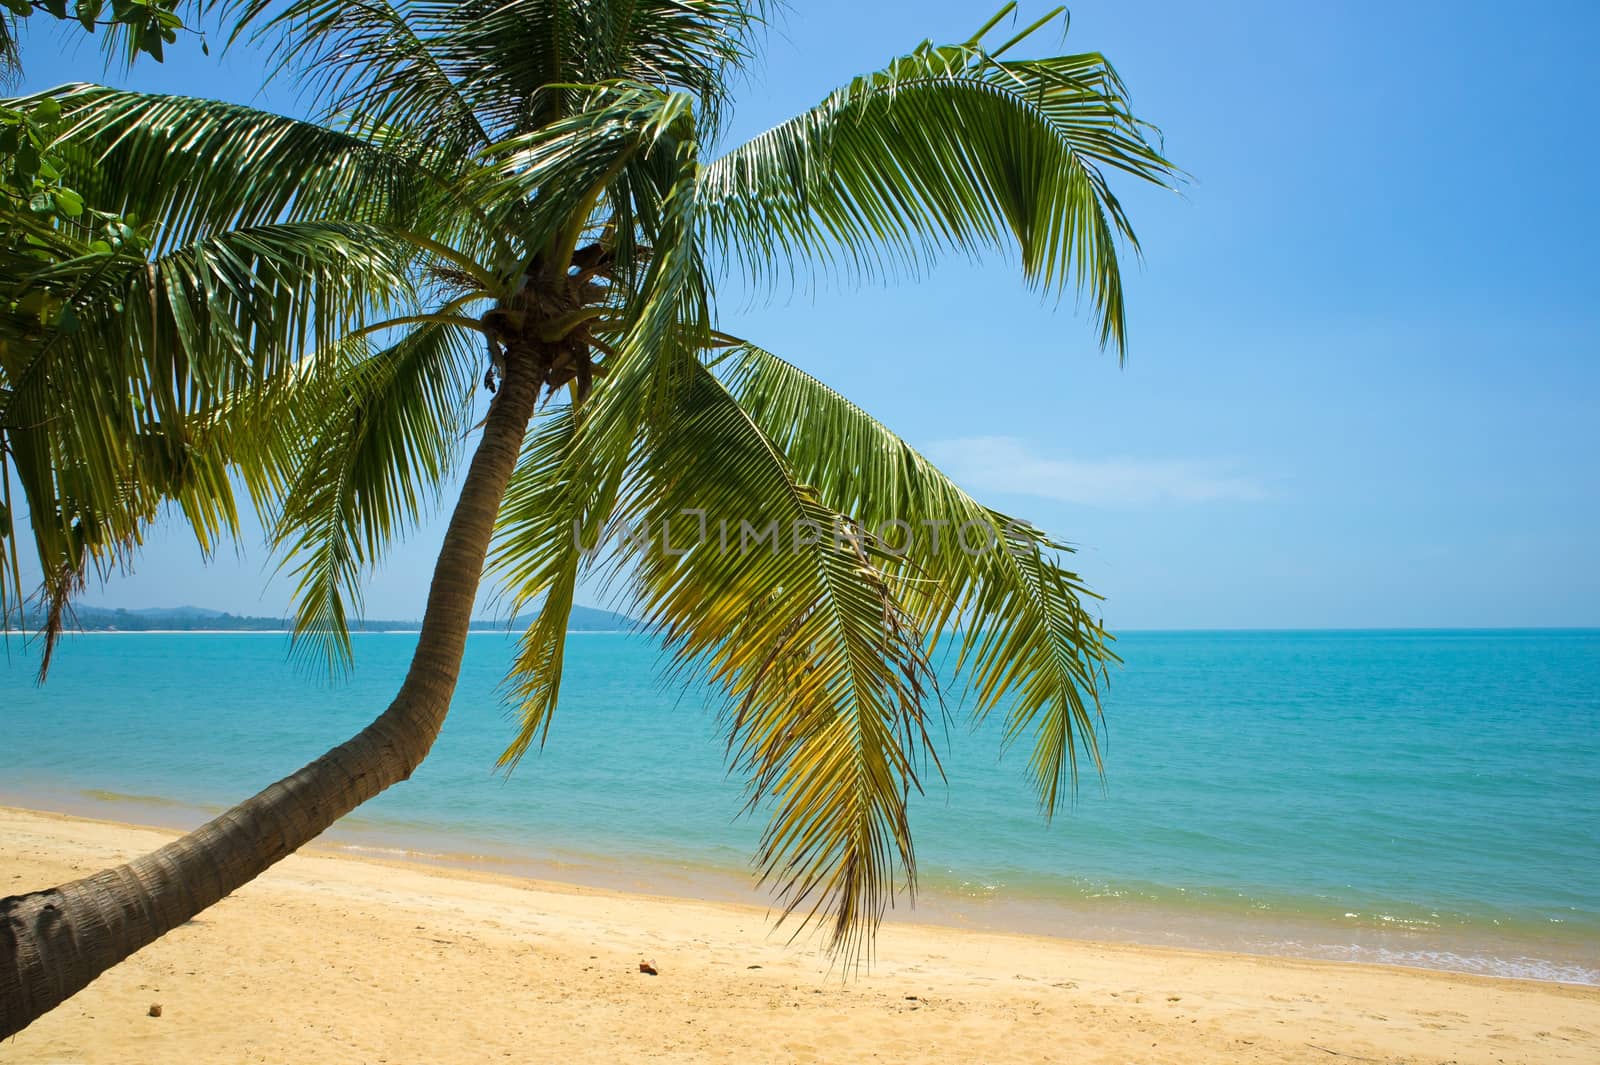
[[1004, 464]]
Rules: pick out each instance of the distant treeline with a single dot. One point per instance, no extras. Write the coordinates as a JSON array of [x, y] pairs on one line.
[[189, 619]]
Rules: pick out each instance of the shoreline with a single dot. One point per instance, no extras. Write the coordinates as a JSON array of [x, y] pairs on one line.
[[1111, 920], [365, 958], [1532, 953]]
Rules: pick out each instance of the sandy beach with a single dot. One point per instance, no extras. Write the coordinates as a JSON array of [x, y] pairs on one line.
[[330, 958]]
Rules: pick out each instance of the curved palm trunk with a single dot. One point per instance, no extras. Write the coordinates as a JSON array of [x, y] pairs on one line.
[[54, 942]]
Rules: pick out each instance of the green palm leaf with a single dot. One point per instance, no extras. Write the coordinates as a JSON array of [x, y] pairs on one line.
[[1028, 637], [795, 615], [555, 516], [947, 148], [377, 60], [475, 72], [377, 436], [205, 166], [147, 355]]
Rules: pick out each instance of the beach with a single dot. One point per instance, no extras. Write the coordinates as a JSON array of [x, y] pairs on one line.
[[334, 958]]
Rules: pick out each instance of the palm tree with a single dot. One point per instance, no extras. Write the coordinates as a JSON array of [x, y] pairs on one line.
[[526, 194]]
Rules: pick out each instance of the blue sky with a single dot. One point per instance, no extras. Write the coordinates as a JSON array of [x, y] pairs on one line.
[[1362, 388]]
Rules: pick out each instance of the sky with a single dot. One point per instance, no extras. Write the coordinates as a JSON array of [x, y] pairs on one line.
[[1362, 388]]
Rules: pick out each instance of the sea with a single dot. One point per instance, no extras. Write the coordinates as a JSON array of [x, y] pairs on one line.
[[1419, 798]]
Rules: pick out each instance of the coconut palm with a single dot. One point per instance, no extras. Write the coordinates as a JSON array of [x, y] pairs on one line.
[[527, 197]]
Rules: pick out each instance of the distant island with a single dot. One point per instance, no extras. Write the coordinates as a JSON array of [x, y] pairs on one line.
[[193, 618]]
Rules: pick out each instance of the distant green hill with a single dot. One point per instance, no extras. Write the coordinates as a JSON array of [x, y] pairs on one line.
[[582, 619], [191, 618]]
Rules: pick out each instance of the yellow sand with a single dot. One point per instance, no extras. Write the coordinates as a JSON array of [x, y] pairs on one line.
[[333, 959]]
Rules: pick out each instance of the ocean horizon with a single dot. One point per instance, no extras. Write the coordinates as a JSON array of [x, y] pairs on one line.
[[1416, 797]]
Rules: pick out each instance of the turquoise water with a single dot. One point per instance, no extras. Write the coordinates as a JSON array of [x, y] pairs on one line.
[[1427, 798]]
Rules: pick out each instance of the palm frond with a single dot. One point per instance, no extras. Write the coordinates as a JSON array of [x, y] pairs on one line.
[[948, 148], [564, 169], [10, 56], [472, 72], [552, 522], [378, 435], [202, 167], [205, 321], [120, 401], [796, 615], [1028, 639], [92, 496], [376, 60]]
